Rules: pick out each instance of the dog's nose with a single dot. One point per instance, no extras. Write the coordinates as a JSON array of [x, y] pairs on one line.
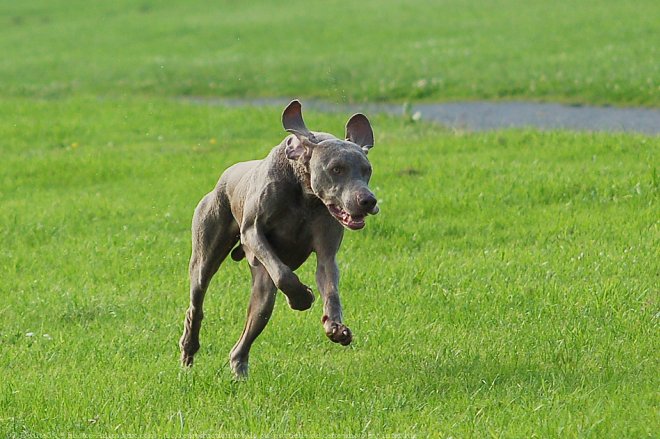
[[367, 201]]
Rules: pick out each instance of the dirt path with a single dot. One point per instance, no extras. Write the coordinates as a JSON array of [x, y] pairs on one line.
[[482, 116]]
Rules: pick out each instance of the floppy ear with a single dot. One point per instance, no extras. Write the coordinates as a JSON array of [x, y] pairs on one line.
[[302, 141], [293, 122], [358, 131], [295, 149]]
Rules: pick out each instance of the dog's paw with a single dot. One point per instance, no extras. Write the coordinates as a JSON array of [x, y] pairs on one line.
[[239, 366], [299, 296], [188, 348], [239, 369], [302, 299], [337, 332], [186, 359]]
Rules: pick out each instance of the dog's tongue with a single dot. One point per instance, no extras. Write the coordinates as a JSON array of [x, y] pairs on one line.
[[354, 222]]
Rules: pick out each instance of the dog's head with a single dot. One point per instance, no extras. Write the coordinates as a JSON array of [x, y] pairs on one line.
[[339, 169]]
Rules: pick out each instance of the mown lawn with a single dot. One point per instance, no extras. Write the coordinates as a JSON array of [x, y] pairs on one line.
[[509, 287], [603, 51]]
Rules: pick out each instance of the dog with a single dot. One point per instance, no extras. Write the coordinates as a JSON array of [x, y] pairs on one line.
[[275, 212]]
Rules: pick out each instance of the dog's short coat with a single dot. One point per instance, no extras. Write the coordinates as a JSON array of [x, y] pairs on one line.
[[279, 210]]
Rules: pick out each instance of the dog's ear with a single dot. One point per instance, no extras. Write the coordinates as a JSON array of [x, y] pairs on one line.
[[358, 131], [303, 141], [296, 148], [293, 122]]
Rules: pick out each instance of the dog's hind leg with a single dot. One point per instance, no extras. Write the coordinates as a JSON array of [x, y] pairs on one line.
[[259, 311], [214, 233]]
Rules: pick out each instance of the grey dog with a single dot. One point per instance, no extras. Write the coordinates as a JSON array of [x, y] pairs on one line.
[[275, 212]]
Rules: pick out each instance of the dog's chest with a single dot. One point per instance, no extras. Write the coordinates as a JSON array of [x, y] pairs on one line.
[[291, 231]]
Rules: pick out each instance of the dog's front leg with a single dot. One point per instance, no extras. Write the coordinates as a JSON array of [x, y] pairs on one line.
[[327, 279], [258, 250]]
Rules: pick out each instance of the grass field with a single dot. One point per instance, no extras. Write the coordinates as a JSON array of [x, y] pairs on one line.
[[509, 287], [603, 51]]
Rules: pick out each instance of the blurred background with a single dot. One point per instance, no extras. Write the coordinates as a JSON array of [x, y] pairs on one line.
[[603, 51]]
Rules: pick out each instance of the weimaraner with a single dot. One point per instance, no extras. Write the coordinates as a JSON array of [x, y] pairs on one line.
[[279, 210]]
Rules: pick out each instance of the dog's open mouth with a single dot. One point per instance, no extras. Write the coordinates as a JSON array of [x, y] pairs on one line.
[[353, 222]]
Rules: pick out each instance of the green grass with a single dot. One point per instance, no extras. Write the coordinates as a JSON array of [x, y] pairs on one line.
[[509, 287], [602, 52]]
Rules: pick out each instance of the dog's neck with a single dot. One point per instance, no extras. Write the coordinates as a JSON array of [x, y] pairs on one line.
[[296, 170], [303, 176]]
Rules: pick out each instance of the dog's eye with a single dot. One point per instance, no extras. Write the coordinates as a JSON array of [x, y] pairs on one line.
[[337, 170]]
